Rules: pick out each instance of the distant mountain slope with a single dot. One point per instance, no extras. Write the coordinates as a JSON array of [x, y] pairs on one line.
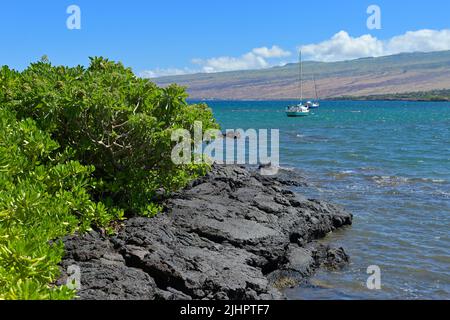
[[362, 77]]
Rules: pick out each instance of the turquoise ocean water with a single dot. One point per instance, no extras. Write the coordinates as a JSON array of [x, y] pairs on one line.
[[386, 162]]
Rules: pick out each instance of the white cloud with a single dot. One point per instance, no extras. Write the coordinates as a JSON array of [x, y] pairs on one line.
[[421, 40], [220, 64], [164, 72], [274, 52], [255, 59], [342, 46], [258, 58]]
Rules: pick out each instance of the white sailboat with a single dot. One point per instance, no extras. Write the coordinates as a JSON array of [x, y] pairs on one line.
[[301, 109]]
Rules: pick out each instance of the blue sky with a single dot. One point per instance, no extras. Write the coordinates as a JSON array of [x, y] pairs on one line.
[[200, 35]]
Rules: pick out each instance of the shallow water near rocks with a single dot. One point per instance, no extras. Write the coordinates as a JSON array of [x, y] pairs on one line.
[[386, 162]]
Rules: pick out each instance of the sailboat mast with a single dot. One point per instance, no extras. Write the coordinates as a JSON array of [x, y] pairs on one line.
[[301, 77], [315, 87]]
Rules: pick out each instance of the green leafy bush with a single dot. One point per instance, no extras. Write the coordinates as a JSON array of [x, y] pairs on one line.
[[44, 197], [111, 119], [79, 148]]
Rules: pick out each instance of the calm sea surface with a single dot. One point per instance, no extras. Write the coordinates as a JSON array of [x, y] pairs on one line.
[[386, 162]]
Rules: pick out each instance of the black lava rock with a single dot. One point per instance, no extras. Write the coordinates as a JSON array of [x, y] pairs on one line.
[[232, 234]]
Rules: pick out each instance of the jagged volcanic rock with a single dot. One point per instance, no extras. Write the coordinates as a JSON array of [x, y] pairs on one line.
[[229, 235]]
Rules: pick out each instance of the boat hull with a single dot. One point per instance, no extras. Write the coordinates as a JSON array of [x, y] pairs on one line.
[[294, 114]]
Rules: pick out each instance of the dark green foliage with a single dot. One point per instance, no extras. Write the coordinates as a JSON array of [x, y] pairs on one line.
[[433, 95], [79, 148], [112, 120]]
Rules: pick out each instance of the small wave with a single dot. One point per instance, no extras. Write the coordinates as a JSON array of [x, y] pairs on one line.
[[368, 169], [292, 169], [428, 180], [313, 138], [325, 161], [442, 194], [342, 174], [389, 180], [397, 180], [439, 181]]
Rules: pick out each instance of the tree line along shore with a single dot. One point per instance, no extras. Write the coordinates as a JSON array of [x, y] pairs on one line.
[[434, 95]]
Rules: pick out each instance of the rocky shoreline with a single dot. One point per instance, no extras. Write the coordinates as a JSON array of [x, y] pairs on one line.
[[233, 234]]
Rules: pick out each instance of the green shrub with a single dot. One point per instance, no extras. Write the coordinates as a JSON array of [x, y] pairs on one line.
[[112, 120], [79, 148], [44, 197]]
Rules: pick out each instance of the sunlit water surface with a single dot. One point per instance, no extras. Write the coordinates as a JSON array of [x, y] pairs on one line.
[[386, 162]]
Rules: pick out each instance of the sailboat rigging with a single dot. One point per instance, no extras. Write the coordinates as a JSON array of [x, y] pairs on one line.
[[299, 110]]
